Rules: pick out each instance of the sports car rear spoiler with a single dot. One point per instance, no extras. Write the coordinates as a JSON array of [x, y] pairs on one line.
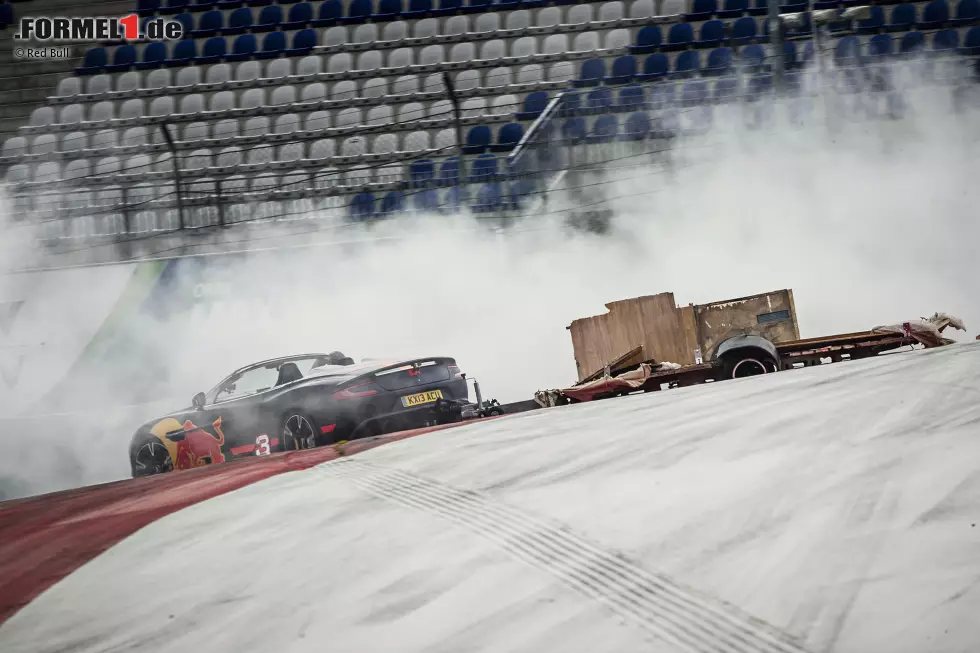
[[415, 362]]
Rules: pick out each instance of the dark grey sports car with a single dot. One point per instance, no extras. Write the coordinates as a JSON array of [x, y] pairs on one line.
[[299, 402]]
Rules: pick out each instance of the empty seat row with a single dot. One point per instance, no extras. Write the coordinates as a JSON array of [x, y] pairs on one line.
[[302, 15], [215, 49], [253, 101], [479, 140], [345, 64], [328, 12], [194, 79]]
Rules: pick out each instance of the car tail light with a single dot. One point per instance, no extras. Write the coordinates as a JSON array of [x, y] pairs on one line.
[[454, 372], [357, 391]]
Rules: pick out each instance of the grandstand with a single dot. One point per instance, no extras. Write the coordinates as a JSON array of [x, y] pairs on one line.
[[357, 109]]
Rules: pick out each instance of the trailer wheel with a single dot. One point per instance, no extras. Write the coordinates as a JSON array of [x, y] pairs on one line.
[[748, 364]]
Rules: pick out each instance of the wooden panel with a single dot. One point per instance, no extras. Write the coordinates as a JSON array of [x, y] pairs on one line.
[[653, 322], [719, 321]]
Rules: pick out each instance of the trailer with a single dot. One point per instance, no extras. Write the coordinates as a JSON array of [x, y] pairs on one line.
[[649, 344]]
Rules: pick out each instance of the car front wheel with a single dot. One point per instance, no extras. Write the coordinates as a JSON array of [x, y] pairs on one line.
[[151, 458]]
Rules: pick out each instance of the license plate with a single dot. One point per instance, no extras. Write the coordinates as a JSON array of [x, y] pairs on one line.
[[421, 398]]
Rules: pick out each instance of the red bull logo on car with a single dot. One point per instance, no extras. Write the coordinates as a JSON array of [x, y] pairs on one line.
[[190, 445]]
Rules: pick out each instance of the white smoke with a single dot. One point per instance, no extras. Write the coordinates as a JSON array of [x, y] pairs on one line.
[[867, 222]]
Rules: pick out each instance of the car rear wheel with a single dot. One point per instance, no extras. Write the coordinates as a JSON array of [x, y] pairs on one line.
[[151, 458], [299, 431]]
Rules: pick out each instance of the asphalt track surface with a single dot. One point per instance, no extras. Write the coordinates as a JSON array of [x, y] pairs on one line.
[[830, 509]]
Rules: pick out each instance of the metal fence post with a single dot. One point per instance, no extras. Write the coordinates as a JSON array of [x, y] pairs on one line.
[[177, 184]]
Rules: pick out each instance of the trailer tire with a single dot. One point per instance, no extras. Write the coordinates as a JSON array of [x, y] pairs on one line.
[[740, 364]]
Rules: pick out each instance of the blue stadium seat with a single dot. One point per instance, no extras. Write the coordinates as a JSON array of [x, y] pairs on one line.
[[183, 53], [453, 199], [273, 45], [847, 52], [186, 21], [173, 7], [487, 198], [123, 59], [880, 45], [229, 4], [712, 34], [239, 21], [695, 92], [362, 207], [154, 54], [874, 23], [534, 104], [418, 9], [523, 193], [209, 24], [425, 201], [623, 70], [303, 41], [94, 61], [477, 6], [724, 90], [648, 39], [702, 10], [912, 42], [477, 140], [636, 127], [654, 67], [449, 172], [147, 7], [261, 3], [902, 18], [599, 100], [604, 129], [719, 62], [422, 173], [733, 8], [934, 15], [269, 19], [790, 60], [759, 8], [330, 13], [508, 137], [744, 30], [447, 7], [388, 10], [759, 85], [573, 130], [6, 15], [358, 11], [971, 42], [243, 48], [946, 40], [593, 71], [483, 169], [300, 15], [199, 6], [571, 103], [967, 11], [688, 63], [215, 49], [753, 57], [392, 203], [680, 36], [631, 98]]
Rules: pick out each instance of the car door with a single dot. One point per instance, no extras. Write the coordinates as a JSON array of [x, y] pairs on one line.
[[236, 408]]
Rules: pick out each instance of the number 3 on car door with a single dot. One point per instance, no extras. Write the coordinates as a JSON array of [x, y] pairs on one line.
[[262, 445]]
